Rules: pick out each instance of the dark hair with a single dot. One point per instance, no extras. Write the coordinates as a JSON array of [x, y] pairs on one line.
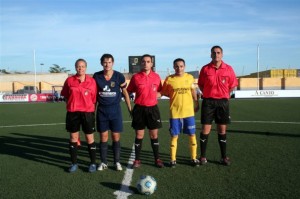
[[146, 55], [78, 60], [178, 59], [216, 47], [106, 56]]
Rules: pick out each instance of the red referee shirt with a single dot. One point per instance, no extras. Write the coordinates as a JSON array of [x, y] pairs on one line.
[[217, 83], [145, 88], [81, 95]]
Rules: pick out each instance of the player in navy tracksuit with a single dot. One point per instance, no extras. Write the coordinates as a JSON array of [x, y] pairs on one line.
[[111, 86]]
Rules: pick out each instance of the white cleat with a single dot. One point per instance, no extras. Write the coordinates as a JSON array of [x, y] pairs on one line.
[[118, 166], [102, 166]]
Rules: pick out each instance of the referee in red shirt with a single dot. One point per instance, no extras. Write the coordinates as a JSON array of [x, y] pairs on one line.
[[216, 80], [146, 84], [80, 93]]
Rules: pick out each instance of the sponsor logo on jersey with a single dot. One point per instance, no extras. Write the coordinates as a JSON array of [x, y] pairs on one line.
[[106, 88]]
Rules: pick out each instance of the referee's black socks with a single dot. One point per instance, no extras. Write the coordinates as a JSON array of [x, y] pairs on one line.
[[222, 142], [155, 148], [92, 152], [203, 144], [138, 147], [73, 152]]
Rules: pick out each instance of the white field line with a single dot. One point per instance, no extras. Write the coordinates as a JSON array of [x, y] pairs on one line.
[[31, 125], [266, 122], [165, 121], [124, 191]]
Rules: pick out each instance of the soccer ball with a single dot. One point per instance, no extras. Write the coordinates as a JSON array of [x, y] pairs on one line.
[[146, 185]]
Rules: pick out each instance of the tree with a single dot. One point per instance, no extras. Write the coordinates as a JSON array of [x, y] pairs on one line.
[[25, 72], [4, 71], [57, 69]]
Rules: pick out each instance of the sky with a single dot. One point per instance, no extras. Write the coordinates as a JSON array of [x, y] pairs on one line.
[[35, 34]]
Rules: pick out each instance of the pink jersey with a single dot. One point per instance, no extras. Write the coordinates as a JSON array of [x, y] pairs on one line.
[[81, 96], [217, 83], [145, 88]]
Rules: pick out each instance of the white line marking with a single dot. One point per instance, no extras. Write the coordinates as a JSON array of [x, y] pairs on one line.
[[28, 125], [124, 191], [165, 121], [266, 122]]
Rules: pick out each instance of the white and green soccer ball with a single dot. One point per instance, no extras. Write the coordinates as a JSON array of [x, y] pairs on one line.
[[146, 185]]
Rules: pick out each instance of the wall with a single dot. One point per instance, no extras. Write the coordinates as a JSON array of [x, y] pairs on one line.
[[6, 86], [271, 84], [247, 84], [11, 83], [291, 83], [52, 77]]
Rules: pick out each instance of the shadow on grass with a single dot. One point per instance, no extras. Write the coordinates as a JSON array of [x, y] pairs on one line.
[[147, 157], [54, 151], [44, 149], [264, 133], [213, 130]]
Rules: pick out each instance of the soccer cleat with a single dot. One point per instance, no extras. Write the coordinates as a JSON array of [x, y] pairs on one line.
[[73, 168], [118, 166], [159, 163], [102, 167], [195, 162], [136, 164], [92, 168], [202, 160], [173, 164], [225, 161]]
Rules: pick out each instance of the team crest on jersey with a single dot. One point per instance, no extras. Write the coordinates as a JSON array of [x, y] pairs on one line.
[[86, 92], [223, 81], [153, 87], [112, 84]]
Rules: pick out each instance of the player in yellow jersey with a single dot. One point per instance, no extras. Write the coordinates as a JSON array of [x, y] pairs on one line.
[[181, 90]]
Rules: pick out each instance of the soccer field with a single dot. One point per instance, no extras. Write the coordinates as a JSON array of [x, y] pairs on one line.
[[263, 144]]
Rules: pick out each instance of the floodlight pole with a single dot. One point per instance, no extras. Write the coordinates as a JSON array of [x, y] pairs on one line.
[[42, 64], [258, 67], [34, 71]]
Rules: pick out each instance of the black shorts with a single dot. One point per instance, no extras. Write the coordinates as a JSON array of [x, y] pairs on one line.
[[143, 116], [215, 109], [76, 119]]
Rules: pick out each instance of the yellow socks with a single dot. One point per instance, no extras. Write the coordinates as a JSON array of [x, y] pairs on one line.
[[173, 147], [193, 147]]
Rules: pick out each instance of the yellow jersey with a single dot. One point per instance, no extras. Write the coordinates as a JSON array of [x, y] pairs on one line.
[[179, 89]]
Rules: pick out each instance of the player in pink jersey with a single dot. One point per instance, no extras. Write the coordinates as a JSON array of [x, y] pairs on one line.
[[80, 93], [146, 85], [216, 80]]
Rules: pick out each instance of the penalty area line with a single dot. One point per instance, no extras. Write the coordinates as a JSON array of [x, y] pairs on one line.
[[124, 191]]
